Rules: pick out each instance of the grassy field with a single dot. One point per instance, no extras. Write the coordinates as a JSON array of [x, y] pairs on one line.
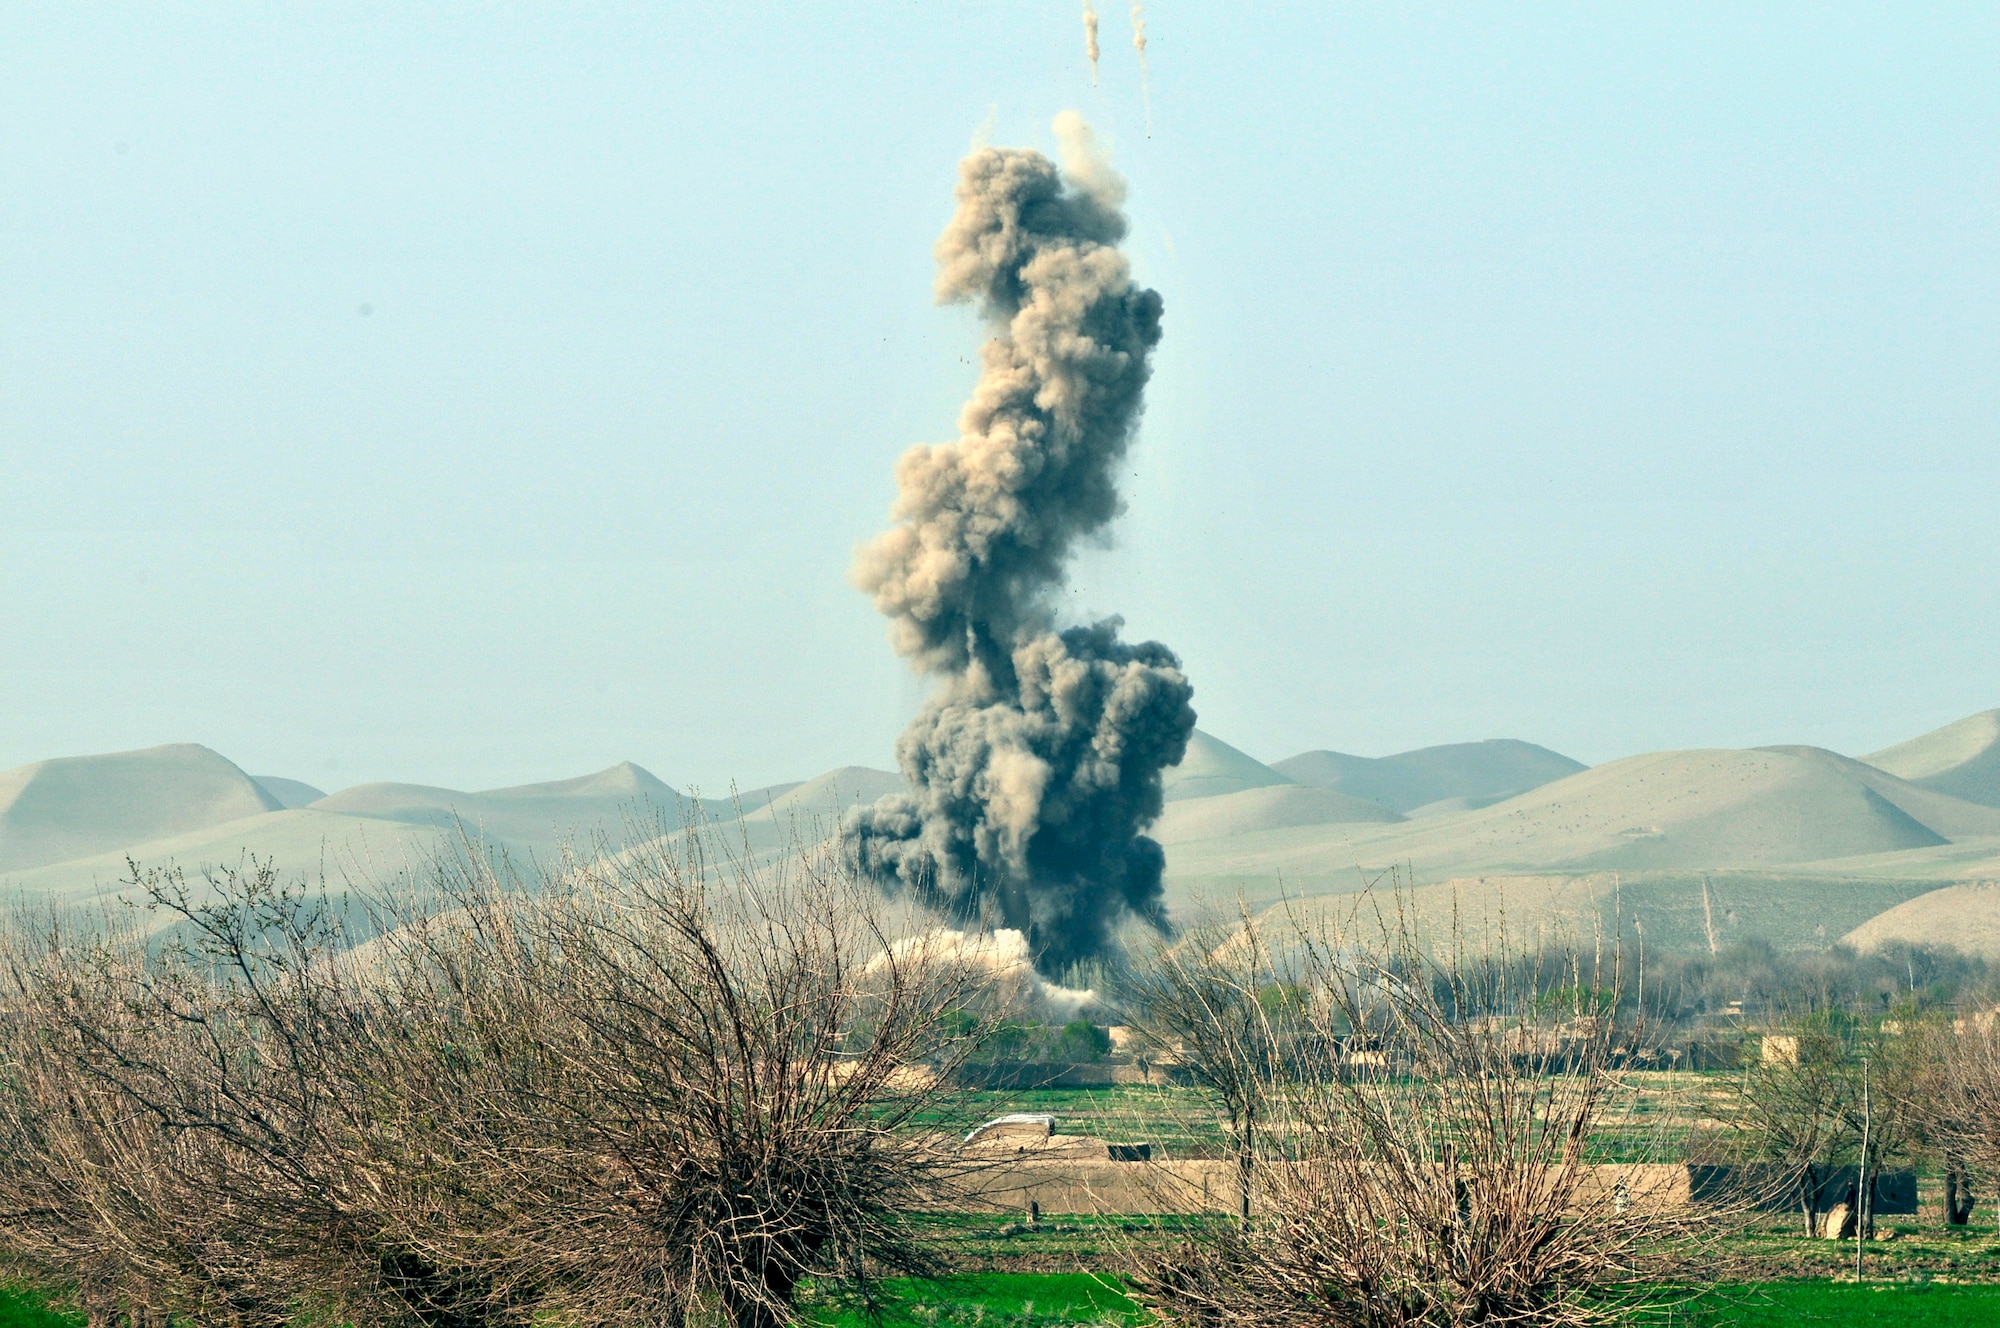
[[1035, 1300], [1910, 1251], [1791, 1304], [1648, 1120], [24, 1309], [1183, 1121], [1002, 1300], [1047, 1300]]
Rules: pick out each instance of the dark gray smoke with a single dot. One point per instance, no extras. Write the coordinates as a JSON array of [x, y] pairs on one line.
[[1036, 762]]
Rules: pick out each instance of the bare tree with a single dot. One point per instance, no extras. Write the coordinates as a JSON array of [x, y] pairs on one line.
[[1958, 1105], [1441, 1173], [245, 1047], [721, 1091], [1801, 1105], [1194, 1005]]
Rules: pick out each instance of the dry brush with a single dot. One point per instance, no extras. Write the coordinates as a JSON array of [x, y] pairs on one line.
[[662, 1083]]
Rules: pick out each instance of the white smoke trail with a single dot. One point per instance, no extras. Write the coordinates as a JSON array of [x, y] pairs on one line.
[[1139, 45], [1090, 38]]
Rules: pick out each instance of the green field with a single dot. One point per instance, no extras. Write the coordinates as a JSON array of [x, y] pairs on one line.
[[1789, 1304], [1647, 1120], [1001, 1300], [1184, 1121], [1026, 1300], [24, 1309], [1045, 1300]]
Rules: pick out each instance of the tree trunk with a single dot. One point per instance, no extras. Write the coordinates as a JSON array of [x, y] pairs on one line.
[[1957, 1196], [1244, 1162], [1865, 1201], [780, 1278]]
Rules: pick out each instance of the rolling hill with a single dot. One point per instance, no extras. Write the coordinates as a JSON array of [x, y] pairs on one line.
[[1460, 776], [830, 795], [290, 792], [1600, 912], [1961, 759], [301, 842], [1212, 766], [1268, 807], [73, 807], [1798, 845], [1696, 810], [1965, 916], [807, 812], [537, 814]]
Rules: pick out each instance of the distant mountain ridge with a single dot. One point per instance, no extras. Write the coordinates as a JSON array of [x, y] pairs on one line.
[[1474, 774], [1797, 843], [528, 813], [1212, 766], [1700, 809], [75, 806], [1961, 759]]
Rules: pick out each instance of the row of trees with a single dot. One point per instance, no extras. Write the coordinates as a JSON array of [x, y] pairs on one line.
[[1836, 1089], [1757, 979]]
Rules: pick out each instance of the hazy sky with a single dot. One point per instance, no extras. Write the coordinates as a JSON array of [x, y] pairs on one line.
[[482, 394]]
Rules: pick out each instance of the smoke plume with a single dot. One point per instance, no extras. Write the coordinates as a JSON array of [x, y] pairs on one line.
[[1035, 765]]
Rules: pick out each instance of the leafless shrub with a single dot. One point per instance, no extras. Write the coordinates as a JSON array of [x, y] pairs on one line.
[[1922, 1101], [658, 1083], [1423, 1155], [718, 1094], [247, 1051], [1205, 1005], [95, 1203]]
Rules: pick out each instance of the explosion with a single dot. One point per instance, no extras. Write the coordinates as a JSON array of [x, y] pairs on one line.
[[1035, 764]]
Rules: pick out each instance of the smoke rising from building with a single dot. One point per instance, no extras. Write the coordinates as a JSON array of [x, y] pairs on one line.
[[1090, 38], [1035, 765]]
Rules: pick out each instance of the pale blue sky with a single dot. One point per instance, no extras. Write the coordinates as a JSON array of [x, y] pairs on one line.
[[1613, 377]]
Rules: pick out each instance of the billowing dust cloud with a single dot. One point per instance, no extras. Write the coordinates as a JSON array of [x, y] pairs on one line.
[[1003, 959], [1036, 762]]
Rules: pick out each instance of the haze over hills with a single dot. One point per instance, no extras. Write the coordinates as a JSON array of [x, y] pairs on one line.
[[76, 806], [1683, 913], [1266, 807], [1664, 811], [1795, 844], [1212, 766], [289, 792], [221, 817], [1962, 759], [541, 814], [1457, 777], [803, 812], [303, 843]]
